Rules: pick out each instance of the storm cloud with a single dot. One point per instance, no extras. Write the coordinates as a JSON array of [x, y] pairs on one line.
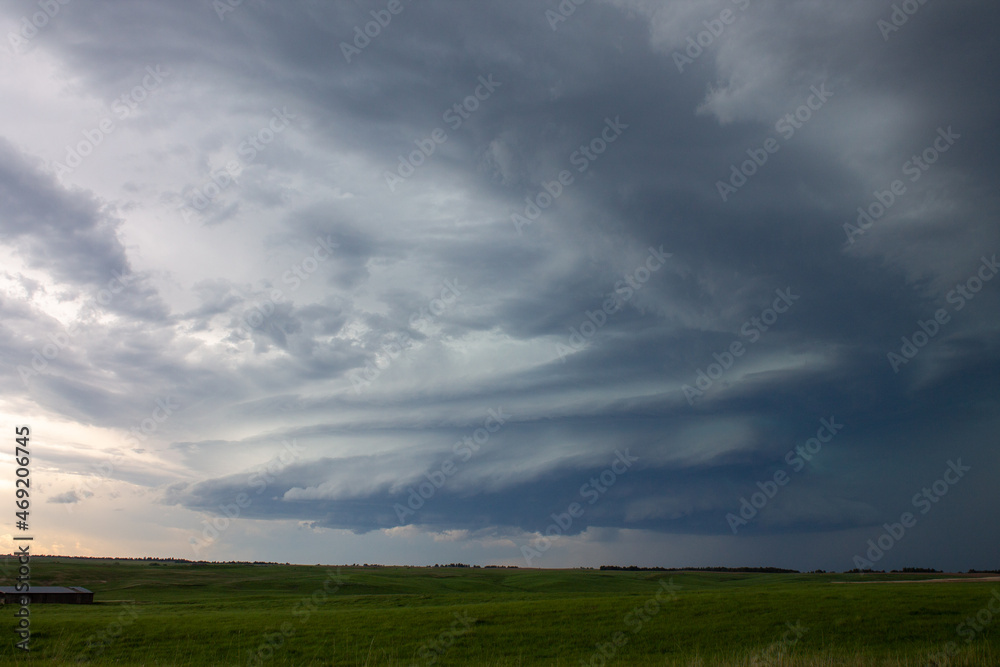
[[622, 274]]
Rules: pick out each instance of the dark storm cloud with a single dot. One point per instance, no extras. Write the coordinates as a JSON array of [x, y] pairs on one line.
[[852, 308], [611, 64]]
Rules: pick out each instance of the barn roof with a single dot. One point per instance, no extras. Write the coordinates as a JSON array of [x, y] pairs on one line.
[[45, 589]]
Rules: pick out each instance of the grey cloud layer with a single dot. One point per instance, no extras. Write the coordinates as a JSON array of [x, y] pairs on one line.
[[655, 186]]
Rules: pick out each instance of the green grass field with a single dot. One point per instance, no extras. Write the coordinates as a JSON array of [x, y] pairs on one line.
[[223, 614]]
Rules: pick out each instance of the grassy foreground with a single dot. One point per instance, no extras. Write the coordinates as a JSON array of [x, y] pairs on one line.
[[228, 614]]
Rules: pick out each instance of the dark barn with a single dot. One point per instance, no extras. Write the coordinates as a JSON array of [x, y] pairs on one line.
[[57, 594]]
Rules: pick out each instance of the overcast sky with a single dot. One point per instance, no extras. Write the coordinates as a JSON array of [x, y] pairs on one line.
[[427, 281]]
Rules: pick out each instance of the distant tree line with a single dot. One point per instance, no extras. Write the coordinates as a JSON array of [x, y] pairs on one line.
[[152, 560]]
